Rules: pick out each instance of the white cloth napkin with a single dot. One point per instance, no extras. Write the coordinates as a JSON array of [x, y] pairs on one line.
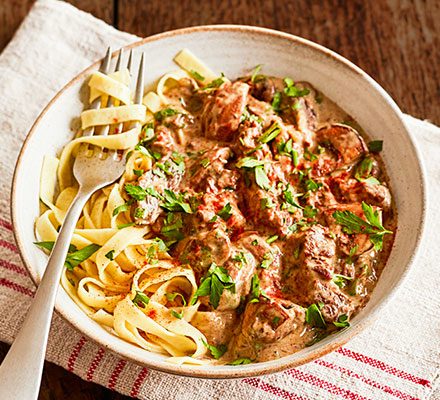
[[398, 357]]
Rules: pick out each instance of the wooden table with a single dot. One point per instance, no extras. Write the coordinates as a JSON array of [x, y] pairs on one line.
[[397, 42]]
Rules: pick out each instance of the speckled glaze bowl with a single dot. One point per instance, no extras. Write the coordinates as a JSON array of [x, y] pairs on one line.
[[235, 50]]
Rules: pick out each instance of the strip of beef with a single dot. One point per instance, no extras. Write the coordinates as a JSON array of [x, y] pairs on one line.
[[218, 327], [208, 172], [268, 259], [312, 281], [265, 323], [349, 190], [343, 146], [158, 180], [203, 249], [223, 110]]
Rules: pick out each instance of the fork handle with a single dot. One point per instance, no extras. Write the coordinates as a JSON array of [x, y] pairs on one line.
[[21, 370]]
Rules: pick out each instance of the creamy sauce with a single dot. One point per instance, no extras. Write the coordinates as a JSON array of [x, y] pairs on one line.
[[265, 166]]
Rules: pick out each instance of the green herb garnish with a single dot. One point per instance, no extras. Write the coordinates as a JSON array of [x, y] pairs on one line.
[[216, 351], [197, 76], [214, 283], [342, 321], [314, 316], [351, 223], [375, 146], [270, 133], [292, 91], [141, 299], [111, 255], [225, 213]]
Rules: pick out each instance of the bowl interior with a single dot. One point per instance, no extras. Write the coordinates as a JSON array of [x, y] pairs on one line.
[[235, 51]]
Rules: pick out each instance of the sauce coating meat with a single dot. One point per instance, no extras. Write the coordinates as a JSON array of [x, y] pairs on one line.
[[275, 200]]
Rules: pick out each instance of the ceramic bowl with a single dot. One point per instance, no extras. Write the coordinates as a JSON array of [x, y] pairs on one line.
[[235, 50]]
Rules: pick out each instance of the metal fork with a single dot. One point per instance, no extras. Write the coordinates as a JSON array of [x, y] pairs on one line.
[[21, 370]]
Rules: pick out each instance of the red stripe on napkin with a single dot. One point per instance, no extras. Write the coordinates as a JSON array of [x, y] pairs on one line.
[[9, 246], [377, 385], [383, 366], [13, 267], [75, 353], [99, 356], [115, 374], [267, 387], [329, 387], [15, 286], [5, 224], [138, 382]]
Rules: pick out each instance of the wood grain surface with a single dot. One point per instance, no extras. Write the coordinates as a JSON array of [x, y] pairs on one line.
[[397, 42]]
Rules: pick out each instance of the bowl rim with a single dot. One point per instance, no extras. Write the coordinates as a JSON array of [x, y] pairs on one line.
[[257, 368]]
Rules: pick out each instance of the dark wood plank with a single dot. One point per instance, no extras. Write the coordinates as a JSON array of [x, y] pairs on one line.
[[11, 14], [396, 42]]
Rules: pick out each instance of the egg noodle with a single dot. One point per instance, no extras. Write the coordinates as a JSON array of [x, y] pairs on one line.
[[127, 282]]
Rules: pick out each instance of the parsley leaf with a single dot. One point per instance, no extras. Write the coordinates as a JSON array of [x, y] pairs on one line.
[[292, 91], [166, 112], [351, 223], [341, 280], [270, 133], [77, 257], [312, 185], [214, 283], [375, 146], [225, 212], [175, 202], [49, 246], [271, 239], [122, 226], [276, 102], [261, 178], [256, 291], [138, 172], [255, 73], [342, 321], [363, 172], [310, 212], [196, 75], [216, 352], [241, 361], [136, 192], [215, 83], [249, 162], [141, 299], [314, 316], [110, 255]]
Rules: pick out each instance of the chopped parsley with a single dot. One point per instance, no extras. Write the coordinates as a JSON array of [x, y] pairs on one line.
[[141, 299], [122, 226], [276, 102], [266, 203], [375, 146], [172, 228], [165, 113], [351, 223], [215, 83], [139, 212], [110, 255], [309, 156], [292, 91], [255, 73], [275, 321], [205, 162], [138, 172], [256, 291], [271, 239], [342, 322], [312, 185], [267, 261], [288, 150], [341, 280], [122, 208], [314, 316], [270, 133], [197, 76], [216, 351], [310, 212], [241, 361], [261, 178], [135, 192], [363, 171], [175, 202], [225, 213], [213, 284], [74, 256]]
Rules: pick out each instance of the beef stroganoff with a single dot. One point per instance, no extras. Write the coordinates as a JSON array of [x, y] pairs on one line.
[[252, 220]]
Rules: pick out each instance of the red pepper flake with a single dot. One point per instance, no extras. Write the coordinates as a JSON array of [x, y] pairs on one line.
[[115, 120], [152, 314]]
